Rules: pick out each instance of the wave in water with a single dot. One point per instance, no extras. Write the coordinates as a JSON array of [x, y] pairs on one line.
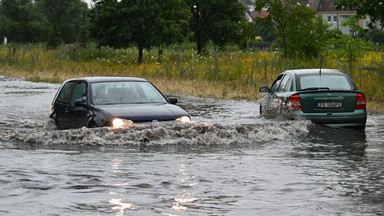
[[158, 134]]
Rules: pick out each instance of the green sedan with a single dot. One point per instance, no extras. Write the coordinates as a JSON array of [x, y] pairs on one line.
[[324, 96]]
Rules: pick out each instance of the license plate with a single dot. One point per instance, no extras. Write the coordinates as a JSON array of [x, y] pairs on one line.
[[328, 105]]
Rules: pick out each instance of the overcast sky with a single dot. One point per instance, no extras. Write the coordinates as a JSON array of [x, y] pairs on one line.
[[89, 2]]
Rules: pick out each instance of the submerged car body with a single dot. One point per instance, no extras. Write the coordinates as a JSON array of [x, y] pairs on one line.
[[324, 96], [111, 101]]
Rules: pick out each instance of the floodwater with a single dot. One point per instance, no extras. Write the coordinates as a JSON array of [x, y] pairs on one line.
[[230, 161]]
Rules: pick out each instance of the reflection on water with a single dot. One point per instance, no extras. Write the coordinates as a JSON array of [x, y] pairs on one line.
[[120, 206], [335, 142], [183, 199]]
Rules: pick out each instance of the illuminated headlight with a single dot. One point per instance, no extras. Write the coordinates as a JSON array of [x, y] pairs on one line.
[[184, 119], [118, 122]]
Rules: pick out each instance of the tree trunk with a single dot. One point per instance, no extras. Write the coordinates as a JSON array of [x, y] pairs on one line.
[[284, 43], [140, 58], [199, 42]]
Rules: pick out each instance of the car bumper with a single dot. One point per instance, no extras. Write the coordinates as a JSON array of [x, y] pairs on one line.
[[357, 118]]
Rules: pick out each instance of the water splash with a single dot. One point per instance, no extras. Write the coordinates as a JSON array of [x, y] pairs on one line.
[[161, 134], [271, 108]]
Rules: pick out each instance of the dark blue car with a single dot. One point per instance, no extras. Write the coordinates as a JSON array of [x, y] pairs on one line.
[[112, 102]]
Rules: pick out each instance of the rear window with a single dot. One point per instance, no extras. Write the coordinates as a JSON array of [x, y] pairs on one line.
[[331, 81]]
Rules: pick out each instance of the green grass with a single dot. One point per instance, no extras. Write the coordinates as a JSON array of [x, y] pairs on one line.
[[230, 74]]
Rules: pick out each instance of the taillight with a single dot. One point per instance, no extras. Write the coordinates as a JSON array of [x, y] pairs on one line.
[[294, 103], [360, 102]]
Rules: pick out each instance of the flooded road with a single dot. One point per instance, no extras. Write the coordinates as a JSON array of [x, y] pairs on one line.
[[230, 161]]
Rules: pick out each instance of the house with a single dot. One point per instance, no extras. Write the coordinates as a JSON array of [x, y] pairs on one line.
[[251, 15], [326, 8]]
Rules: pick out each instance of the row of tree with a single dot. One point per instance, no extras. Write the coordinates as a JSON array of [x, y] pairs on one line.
[[157, 23], [31, 21], [148, 23]]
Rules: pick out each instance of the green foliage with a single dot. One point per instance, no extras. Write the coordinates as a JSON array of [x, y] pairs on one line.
[[348, 50], [375, 35], [83, 37], [248, 33], [29, 21], [266, 30], [279, 15], [306, 34], [218, 21], [69, 16], [302, 34], [143, 23], [54, 37], [22, 21]]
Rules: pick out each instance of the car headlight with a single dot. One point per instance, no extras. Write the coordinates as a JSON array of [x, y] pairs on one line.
[[118, 122], [184, 119]]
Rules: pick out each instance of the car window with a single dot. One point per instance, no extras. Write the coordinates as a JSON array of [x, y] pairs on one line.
[[284, 83], [276, 83], [331, 81], [125, 92], [65, 92], [78, 92], [289, 86]]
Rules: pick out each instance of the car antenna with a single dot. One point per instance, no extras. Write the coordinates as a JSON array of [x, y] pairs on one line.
[[320, 62]]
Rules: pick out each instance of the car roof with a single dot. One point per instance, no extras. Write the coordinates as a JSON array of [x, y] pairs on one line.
[[313, 71], [108, 79]]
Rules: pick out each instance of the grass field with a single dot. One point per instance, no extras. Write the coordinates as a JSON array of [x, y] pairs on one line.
[[231, 74]]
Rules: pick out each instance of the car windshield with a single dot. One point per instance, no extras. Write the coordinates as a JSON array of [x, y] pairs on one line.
[[125, 93], [324, 81]]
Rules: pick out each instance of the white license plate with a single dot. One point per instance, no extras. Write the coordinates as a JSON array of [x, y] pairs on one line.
[[328, 105]]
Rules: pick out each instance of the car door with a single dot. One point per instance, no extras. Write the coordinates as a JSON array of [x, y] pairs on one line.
[[278, 87], [61, 105], [281, 89], [284, 90], [77, 113]]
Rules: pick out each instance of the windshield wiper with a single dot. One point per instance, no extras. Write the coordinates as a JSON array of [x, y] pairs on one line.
[[314, 88]]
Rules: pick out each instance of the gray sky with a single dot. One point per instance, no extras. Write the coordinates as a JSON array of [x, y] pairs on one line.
[[89, 2]]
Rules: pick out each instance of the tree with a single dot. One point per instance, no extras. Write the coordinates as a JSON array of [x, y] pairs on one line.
[[266, 30], [69, 16], [143, 23], [54, 37], [216, 20], [372, 8], [248, 33], [278, 16], [306, 33], [302, 33], [21, 21]]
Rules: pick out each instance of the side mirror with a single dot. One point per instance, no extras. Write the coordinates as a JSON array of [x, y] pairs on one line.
[[264, 89], [81, 102], [172, 100]]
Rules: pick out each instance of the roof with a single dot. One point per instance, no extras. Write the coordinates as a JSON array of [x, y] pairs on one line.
[[313, 71], [262, 14], [108, 79]]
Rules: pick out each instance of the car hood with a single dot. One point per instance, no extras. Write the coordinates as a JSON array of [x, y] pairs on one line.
[[144, 112]]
